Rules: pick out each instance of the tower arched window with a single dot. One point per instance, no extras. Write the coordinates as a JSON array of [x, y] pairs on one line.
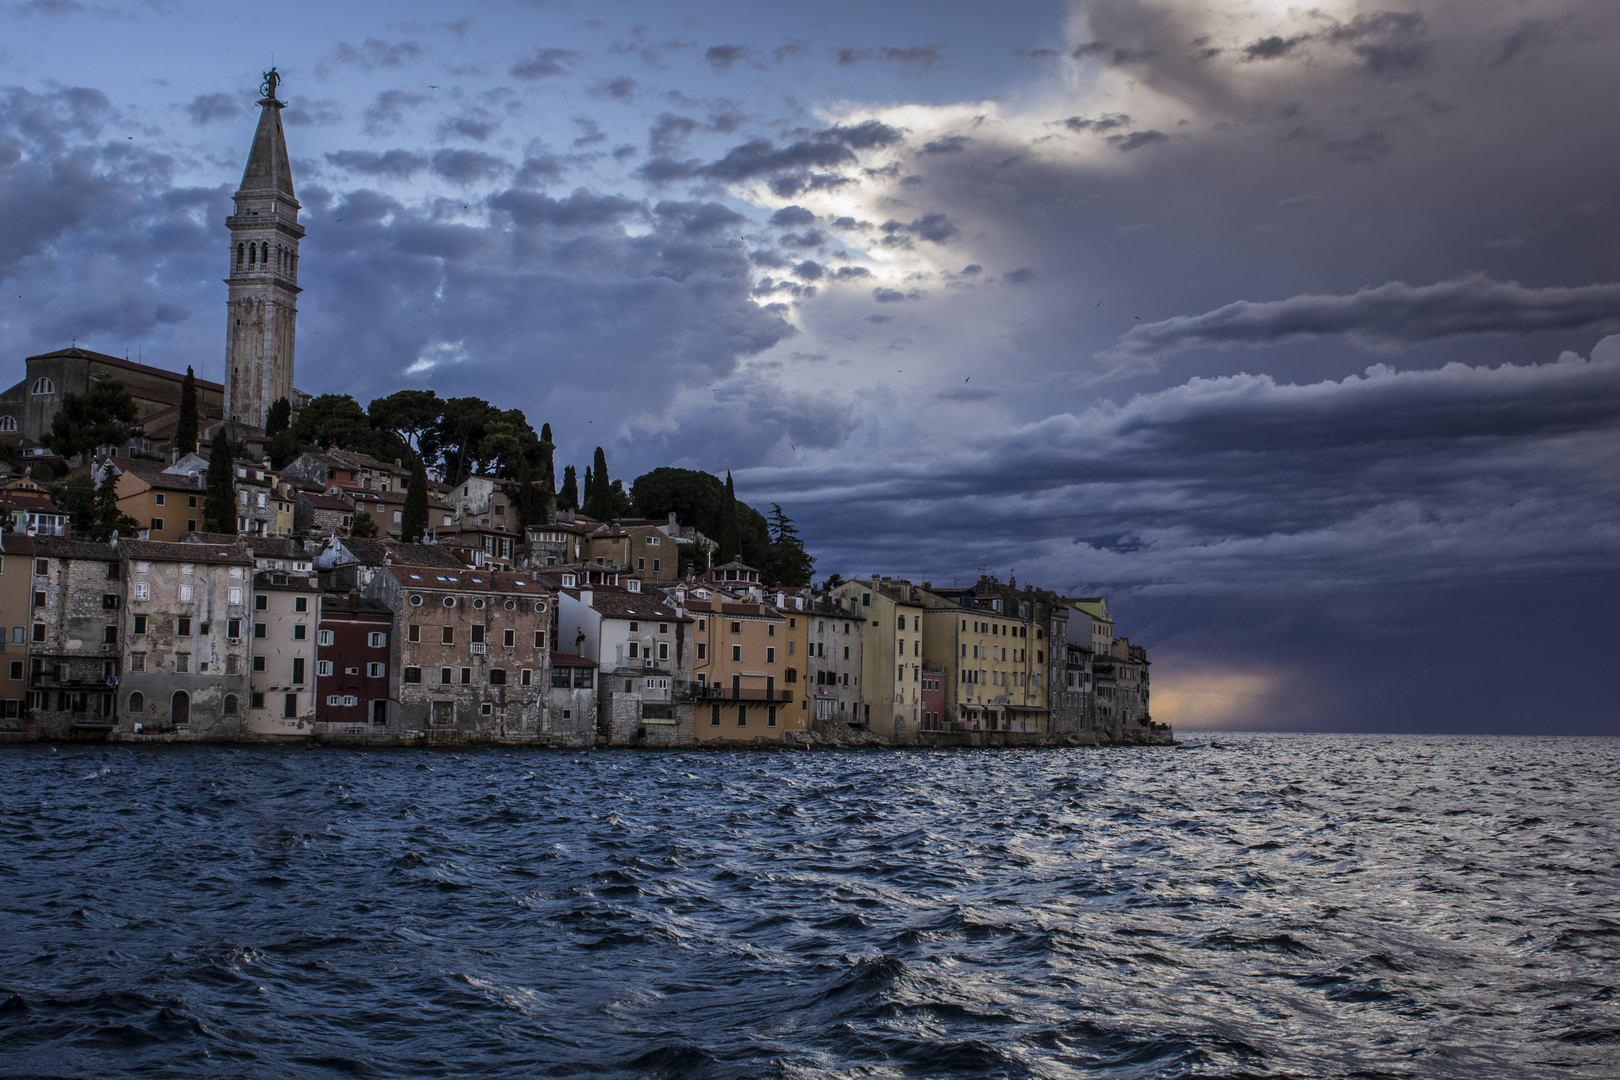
[[241, 255], [264, 253], [44, 386], [8, 423], [253, 254]]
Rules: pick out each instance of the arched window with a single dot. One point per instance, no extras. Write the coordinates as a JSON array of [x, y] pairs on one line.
[[264, 253], [44, 386], [253, 254], [137, 703], [241, 254], [230, 704], [8, 423], [180, 707]]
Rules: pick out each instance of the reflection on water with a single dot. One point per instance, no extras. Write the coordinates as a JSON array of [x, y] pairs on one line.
[[1311, 906]]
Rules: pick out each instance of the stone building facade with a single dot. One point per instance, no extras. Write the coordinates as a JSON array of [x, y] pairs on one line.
[[571, 698], [74, 638], [891, 654], [472, 656], [186, 649], [832, 668], [641, 644]]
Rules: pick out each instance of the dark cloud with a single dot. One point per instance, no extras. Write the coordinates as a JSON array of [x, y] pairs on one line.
[[371, 54], [206, 108], [722, 57], [915, 58], [474, 123], [1136, 140], [669, 131], [582, 209], [468, 166], [622, 88], [888, 296], [1104, 123], [935, 227], [792, 217], [946, 144], [591, 132], [1391, 316], [537, 168], [1386, 44], [395, 164], [1274, 47], [761, 157], [1022, 276], [542, 63], [308, 112], [794, 47], [698, 218], [387, 110]]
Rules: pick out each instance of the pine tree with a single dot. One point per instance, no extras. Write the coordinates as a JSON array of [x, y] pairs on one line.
[[219, 499], [730, 539], [108, 518], [185, 428], [277, 418], [568, 497], [414, 519]]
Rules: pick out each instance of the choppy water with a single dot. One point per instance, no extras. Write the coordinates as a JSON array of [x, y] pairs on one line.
[[1269, 906]]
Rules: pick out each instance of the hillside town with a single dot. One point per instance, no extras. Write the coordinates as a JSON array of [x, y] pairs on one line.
[[188, 560]]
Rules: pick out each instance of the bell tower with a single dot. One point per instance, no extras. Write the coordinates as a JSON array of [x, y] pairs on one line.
[[262, 308]]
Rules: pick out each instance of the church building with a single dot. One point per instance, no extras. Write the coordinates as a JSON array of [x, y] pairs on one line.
[[261, 315]]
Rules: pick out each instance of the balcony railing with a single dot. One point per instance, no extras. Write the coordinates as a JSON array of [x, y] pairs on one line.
[[479, 648]]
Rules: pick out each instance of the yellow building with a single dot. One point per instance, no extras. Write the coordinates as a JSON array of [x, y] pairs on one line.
[[891, 654], [991, 652], [741, 670], [170, 505]]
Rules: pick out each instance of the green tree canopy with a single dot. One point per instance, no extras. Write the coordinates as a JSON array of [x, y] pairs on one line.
[[730, 535], [695, 498], [364, 526], [108, 518], [412, 416], [548, 462], [599, 502], [104, 415], [185, 427], [332, 419], [219, 498]]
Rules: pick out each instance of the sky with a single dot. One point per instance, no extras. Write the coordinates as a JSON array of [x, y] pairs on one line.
[[1294, 330]]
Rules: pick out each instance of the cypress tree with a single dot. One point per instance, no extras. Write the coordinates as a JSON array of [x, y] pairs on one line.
[[568, 498], [730, 539], [185, 428], [599, 489], [413, 519], [108, 517], [219, 500], [548, 464], [277, 418]]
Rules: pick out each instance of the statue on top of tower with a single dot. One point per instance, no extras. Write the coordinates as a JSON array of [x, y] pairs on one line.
[[272, 79]]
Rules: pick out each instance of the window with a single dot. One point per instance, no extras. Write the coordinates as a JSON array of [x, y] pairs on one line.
[[478, 634], [413, 633], [413, 674], [444, 676], [447, 635], [771, 716], [300, 603], [714, 716], [39, 631], [16, 669], [635, 650], [191, 502], [109, 602], [182, 662], [39, 599], [298, 670], [235, 594], [377, 640], [702, 651], [583, 678], [770, 655], [790, 675], [559, 676], [323, 637], [736, 652], [137, 703], [526, 677], [140, 624], [736, 627], [466, 676], [323, 667], [376, 671], [256, 700], [641, 564], [109, 634], [742, 716], [8, 423], [230, 704], [259, 629], [497, 676], [289, 706], [258, 663], [44, 386], [185, 593], [770, 631], [137, 662], [182, 626], [261, 603], [539, 639], [300, 632], [508, 639]]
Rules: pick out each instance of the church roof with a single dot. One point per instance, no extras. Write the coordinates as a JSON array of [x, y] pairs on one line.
[[267, 166]]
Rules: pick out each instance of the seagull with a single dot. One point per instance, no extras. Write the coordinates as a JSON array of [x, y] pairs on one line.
[[1097, 304], [969, 377]]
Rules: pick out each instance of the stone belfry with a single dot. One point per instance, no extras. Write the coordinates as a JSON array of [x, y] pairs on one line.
[[262, 309]]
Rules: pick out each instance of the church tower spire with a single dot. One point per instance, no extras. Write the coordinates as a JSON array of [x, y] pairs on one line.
[[262, 308]]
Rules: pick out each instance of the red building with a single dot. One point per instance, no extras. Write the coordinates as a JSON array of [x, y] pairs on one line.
[[933, 697], [352, 650]]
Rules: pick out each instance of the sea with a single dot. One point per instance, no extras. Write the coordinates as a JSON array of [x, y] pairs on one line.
[[1242, 906]]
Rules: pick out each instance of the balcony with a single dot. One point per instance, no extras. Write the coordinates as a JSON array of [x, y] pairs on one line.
[[479, 648], [725, 693]]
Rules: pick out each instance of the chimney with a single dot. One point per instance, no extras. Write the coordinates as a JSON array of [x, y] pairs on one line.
[[354, 599]]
